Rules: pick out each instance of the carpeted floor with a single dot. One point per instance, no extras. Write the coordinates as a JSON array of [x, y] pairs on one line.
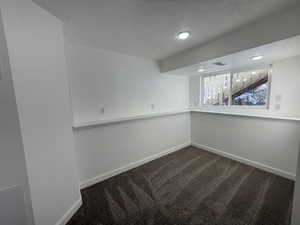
[[188, 187]]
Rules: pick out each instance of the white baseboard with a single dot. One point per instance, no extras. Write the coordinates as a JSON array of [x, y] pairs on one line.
[[247, 161], [68, 215], [104, 176]]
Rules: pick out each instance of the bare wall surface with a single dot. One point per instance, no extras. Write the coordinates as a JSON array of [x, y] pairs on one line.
[[267, 141], [105, 148], [12, 206], [120, 84], [36, 51], [296, 206], [273, 143], [12, 159]]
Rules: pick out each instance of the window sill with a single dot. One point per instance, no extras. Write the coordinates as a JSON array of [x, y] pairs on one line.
[[78, 125], [247, 115]]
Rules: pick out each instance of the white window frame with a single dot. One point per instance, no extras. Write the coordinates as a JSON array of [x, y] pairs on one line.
[[231, 72]]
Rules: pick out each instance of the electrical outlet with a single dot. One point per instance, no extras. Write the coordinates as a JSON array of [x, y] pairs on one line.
[[278, 98], [102, 110], [152, 106], [277, 106]]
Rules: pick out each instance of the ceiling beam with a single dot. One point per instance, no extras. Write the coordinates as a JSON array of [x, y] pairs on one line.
[[273, 28]]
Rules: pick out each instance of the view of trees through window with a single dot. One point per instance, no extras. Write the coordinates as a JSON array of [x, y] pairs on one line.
[[216, 89], [244, 88], [250, 88]]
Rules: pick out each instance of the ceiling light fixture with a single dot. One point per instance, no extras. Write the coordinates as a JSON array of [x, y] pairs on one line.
[[257, 57], [183, 35], [201, 69]]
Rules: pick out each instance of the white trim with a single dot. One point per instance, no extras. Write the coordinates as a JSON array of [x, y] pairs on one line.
[[258, 165], [104, 176], [248, 115], [68, 215], [77, 125]]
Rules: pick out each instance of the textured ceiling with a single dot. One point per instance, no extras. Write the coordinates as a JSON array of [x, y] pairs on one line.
[[147, 28]]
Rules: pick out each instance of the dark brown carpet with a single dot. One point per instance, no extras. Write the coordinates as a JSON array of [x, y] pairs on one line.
[[188, 187]]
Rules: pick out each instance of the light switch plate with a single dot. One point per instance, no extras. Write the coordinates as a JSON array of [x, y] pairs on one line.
[[278, 98], [102, 110], [277, 107]]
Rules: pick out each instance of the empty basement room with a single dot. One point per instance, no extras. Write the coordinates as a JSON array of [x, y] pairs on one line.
[[149, 112]]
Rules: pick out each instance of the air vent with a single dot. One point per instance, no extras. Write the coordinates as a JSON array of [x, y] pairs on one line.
[[220, 63]]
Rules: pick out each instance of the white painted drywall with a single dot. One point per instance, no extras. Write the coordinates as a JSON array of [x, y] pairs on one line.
[[296, 202], [272, 28], [273, 143], [267, 141], [36, 51], [106, 148], [12, 206], [122, 85], [194, 91], [285, 82], [12, 159]]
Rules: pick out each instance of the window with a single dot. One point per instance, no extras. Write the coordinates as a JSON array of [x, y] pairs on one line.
[[246, 88], [250, 88], [216, 90]]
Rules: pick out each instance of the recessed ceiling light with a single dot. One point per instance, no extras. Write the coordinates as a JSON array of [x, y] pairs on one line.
[[183, 35], [257, 57], [201, 69]]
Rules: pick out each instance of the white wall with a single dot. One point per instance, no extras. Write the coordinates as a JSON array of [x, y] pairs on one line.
[[123, 85], [104, 149], [296, 201], [285, 81], [273, 143], [12, 159], [36, 51]]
